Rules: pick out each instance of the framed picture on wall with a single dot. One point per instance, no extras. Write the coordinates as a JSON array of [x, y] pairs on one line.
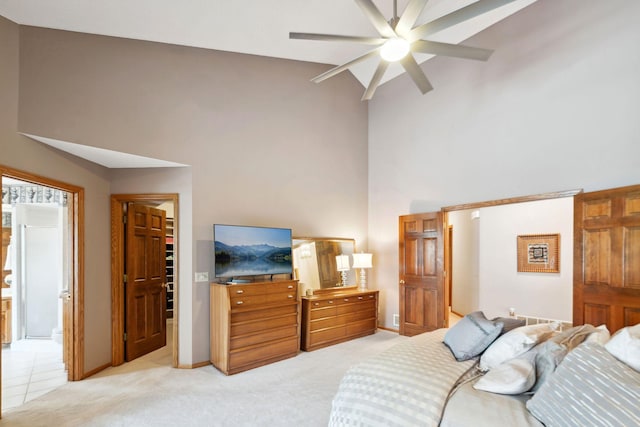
[[539, 253]]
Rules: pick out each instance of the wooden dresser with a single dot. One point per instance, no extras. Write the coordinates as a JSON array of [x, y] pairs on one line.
[[338, 315], [253, 324]]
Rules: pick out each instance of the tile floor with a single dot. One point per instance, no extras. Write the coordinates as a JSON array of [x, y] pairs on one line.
[[30, 368]]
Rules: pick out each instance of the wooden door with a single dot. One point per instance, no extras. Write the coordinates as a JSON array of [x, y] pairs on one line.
[[145, 288], [607, 258], [421, 273]]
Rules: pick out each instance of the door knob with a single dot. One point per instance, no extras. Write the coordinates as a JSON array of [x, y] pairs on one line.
[[402, 281], [65, 296]]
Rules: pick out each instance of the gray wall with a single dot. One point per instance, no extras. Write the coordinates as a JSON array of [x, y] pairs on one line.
[[264, 146], [8, 80], [554, 108], [22, 153]]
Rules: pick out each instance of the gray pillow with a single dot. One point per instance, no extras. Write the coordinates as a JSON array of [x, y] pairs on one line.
[[471, 335], [509, 323], [589, 388], [549, 354]]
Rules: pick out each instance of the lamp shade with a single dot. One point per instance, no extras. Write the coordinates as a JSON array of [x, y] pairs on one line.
[[362, 261], [342, 262]]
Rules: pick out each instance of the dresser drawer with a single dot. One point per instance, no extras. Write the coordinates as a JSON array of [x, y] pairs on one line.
[[358, 315], [253, 355], [238, 316], [323, 335], [350, 299], [319, 313], [286, 287], [245, 290], [281, 297], [364, 305], [323, 303], [324, 323], [260, 325], [247, 301], [263, 337], [361, 327]]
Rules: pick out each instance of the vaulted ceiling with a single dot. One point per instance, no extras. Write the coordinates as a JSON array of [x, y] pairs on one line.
[[257, 27]]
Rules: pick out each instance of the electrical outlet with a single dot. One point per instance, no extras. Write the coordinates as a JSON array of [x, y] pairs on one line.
[[202, 277], [396, 320]]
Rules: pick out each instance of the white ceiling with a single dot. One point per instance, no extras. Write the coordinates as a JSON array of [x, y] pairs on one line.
[[258, 27]]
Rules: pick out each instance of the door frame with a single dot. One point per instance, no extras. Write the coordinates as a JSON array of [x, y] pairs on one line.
[[117, 271], [75, 352]]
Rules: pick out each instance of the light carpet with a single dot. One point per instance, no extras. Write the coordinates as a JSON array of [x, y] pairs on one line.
[[148, 392]]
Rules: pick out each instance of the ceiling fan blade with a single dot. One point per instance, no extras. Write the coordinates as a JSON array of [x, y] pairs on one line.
[[409, 16], [377, 19], [454, 50], [375, 80], [456, 17], [340, 68], [417, 75], [336, 38]]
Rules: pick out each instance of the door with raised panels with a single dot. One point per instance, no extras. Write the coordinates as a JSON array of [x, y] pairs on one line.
[[607, 258], [421, 266], [145, 288]]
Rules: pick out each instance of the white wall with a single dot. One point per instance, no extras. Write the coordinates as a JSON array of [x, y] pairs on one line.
[[555, 108], [545, 295]]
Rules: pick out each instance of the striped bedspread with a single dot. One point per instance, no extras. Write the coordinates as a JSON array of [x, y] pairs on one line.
[[407, 385]]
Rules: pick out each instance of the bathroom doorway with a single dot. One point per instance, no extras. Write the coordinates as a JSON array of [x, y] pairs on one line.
[[41, 287]]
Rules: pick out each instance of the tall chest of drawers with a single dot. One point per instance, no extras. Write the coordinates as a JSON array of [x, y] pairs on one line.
[[334, 317], [253, 324]]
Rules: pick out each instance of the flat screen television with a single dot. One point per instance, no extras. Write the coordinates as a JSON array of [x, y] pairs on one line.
[[251, 251]]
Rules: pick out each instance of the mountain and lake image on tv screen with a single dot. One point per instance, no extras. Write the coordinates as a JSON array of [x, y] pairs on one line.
[[251, 251]]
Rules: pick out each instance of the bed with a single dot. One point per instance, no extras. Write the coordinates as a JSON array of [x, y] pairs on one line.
[[521, 375]]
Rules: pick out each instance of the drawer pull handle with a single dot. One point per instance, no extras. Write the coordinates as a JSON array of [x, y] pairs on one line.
[[316, 304], [360, 297], [289, 296], [290, 287], [330, 302], [370, 296], [239, 302], [346, 300], [239, 291]]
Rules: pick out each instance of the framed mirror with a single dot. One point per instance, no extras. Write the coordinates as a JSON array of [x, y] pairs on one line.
[[315, 264]]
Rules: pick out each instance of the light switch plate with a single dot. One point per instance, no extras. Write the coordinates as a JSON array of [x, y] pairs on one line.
[[202, 277]]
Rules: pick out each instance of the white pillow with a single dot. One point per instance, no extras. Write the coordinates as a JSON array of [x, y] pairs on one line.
[[515, 343], [600, 336], [515, 376], [624, 345]]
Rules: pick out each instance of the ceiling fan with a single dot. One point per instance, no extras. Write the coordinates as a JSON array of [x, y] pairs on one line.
[[399, 40]]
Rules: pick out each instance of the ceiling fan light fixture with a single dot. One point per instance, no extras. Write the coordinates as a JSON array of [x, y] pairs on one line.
[[395, 49]]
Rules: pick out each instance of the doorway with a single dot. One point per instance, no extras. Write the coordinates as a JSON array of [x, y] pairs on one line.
[[42, 221], [482, 262], [169, 203]]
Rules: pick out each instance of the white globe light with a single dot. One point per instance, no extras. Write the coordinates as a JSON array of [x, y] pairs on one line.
[[394, 49]]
